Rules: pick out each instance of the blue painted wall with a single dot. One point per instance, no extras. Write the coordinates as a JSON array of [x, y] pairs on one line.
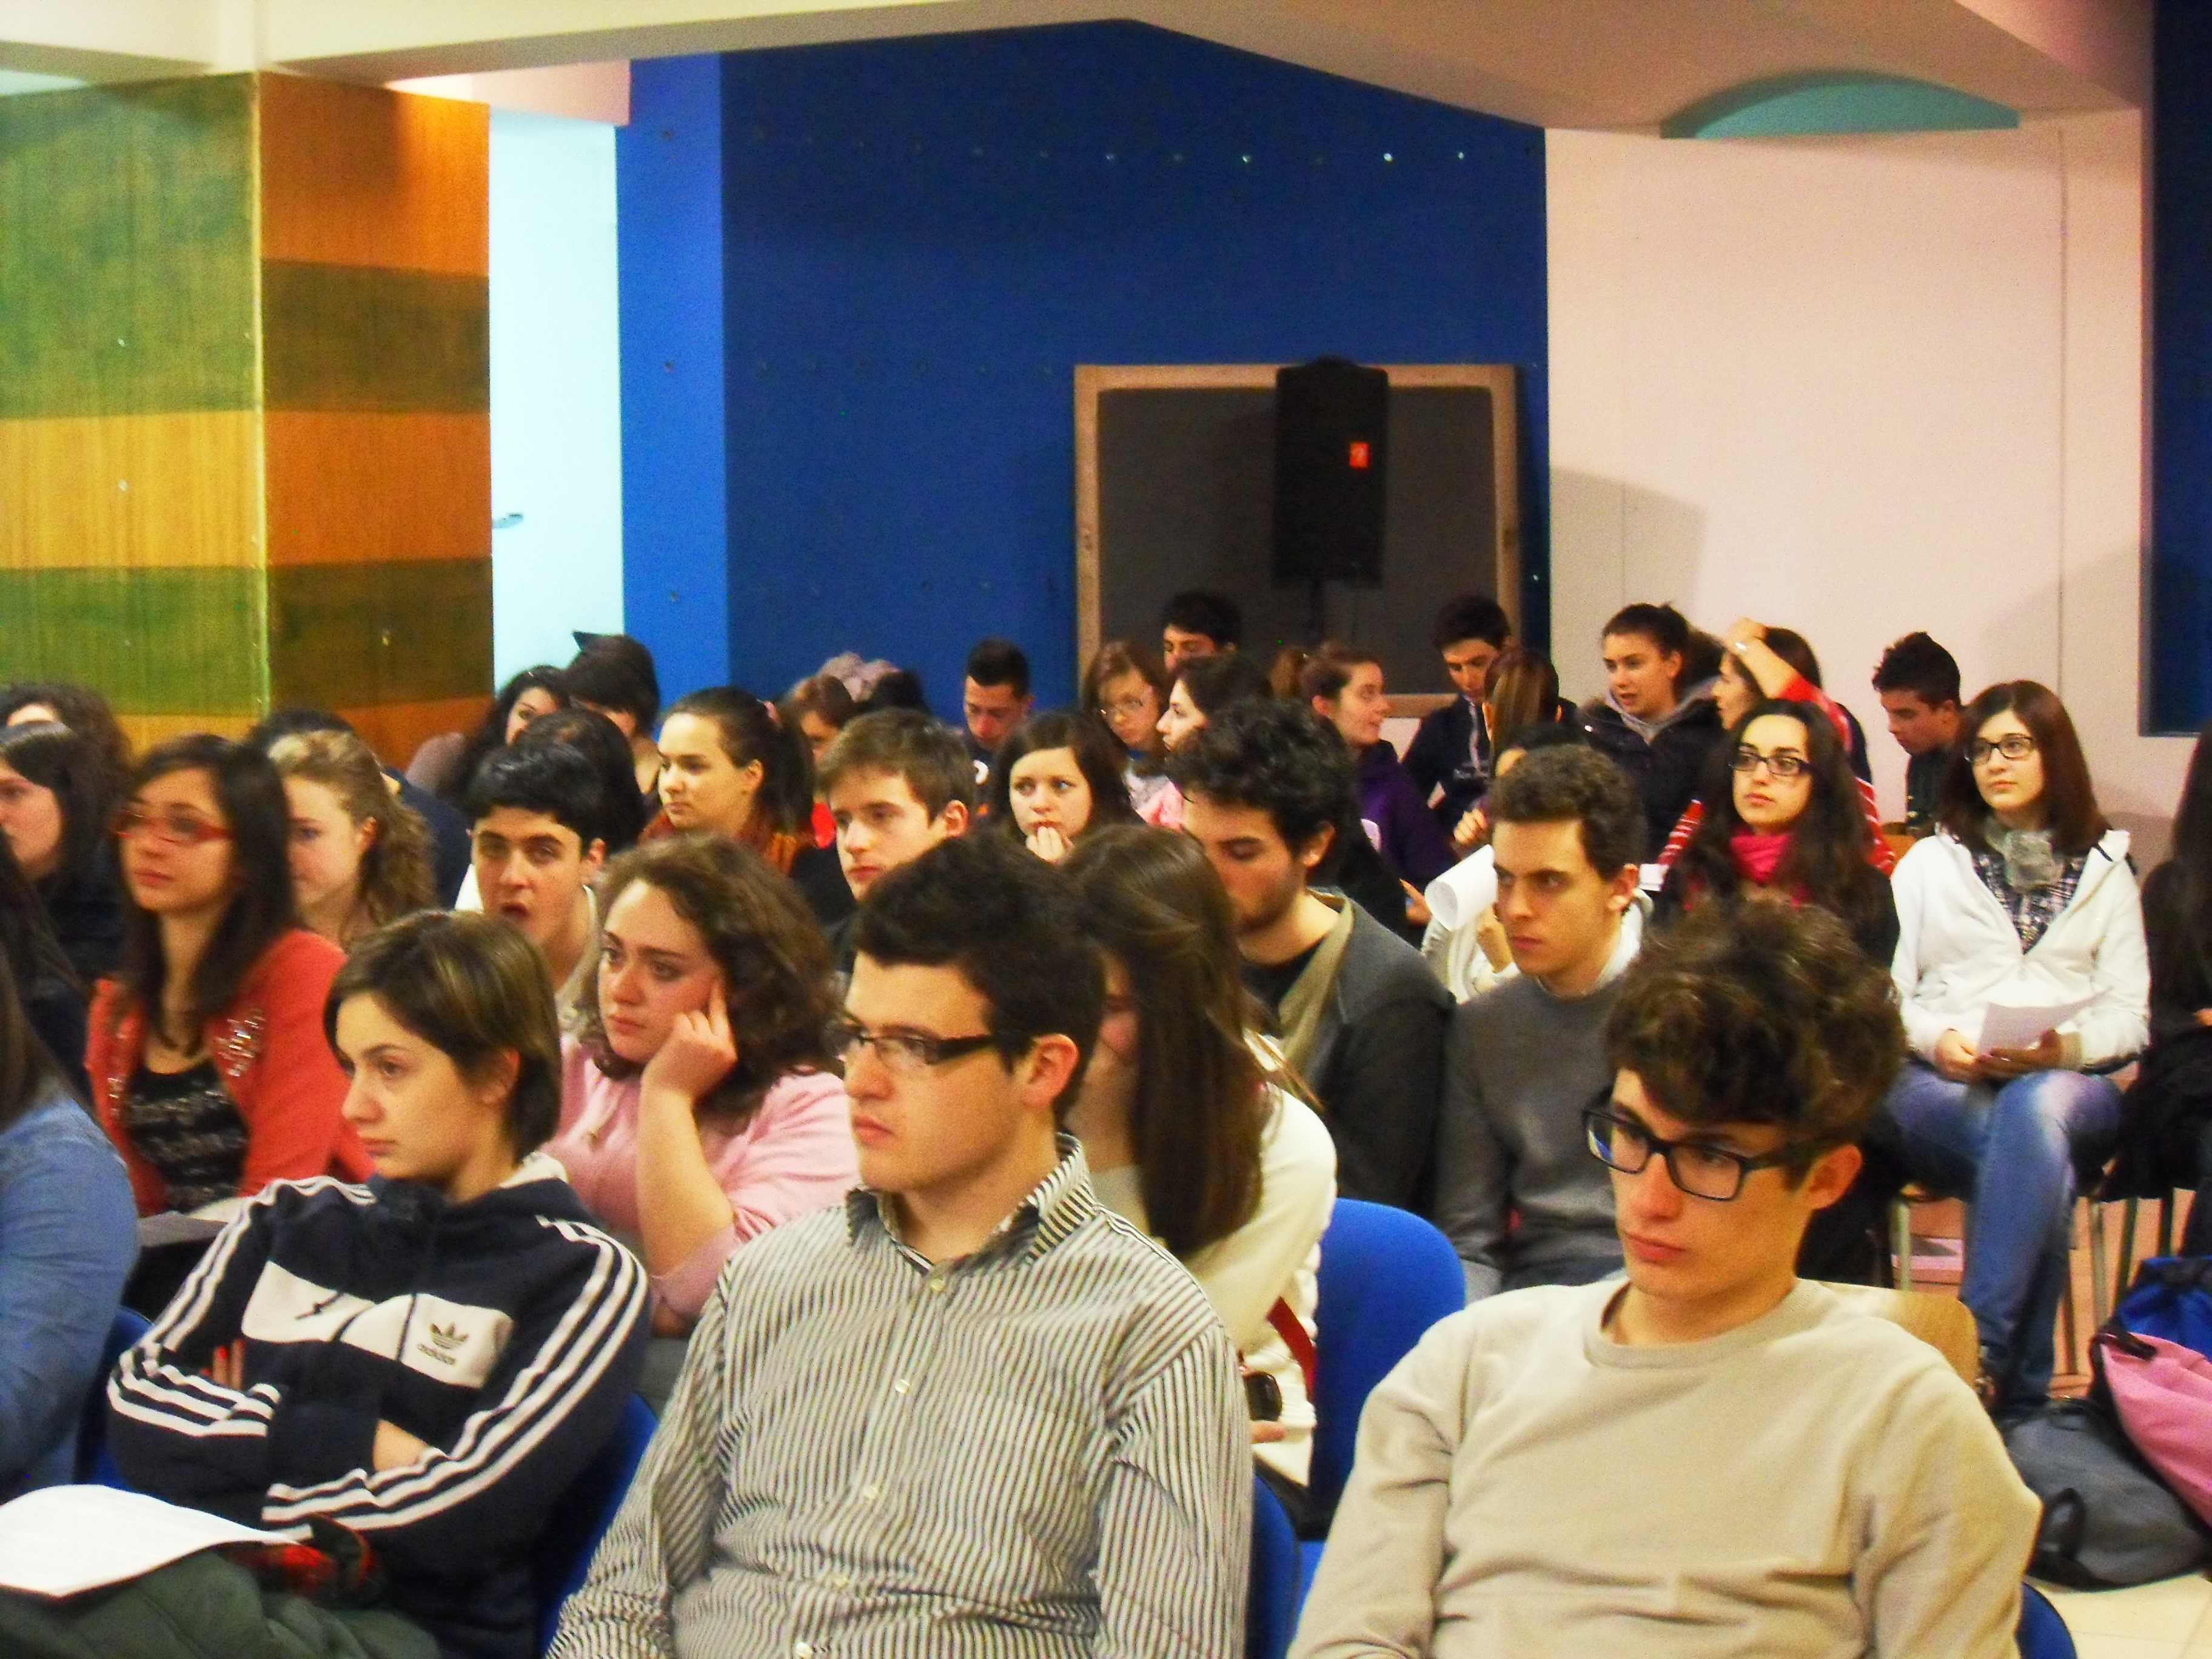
[[924, 237], [2178, 587], [668, 180]]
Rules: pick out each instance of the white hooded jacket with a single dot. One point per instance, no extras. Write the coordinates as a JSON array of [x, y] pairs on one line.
[[1958, 952]]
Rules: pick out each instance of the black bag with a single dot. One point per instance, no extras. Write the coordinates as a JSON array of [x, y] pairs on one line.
[[2107, 1520]]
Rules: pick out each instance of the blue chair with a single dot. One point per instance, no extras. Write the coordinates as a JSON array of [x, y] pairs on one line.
[[2042, 1633], [583, 1514], [1270, 1610], [96, 1464], [1386, 1276]]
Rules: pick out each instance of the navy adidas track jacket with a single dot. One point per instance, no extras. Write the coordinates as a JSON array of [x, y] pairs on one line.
[[506, 1332]]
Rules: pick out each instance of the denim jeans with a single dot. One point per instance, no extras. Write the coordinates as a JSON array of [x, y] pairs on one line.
[[2009, 1149]]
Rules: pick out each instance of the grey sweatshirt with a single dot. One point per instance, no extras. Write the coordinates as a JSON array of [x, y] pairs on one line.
[[1522, 1067]]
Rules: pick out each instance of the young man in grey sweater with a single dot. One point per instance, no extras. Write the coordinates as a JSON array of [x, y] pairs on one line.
[[1518, 1193], [1716, 1458]]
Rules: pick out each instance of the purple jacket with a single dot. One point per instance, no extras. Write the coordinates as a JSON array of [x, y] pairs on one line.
[[1389, 800]]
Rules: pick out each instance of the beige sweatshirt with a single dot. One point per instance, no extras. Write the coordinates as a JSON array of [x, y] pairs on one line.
[[1816, 1484]]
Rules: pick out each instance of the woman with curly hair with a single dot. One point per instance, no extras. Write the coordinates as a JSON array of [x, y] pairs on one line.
[[698, 1108], [359, 856]]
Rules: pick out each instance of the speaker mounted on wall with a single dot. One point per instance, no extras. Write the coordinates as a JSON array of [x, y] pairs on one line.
[[1332, 458]]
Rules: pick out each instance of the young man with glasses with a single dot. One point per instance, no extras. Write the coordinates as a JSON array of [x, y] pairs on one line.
[[971, 1411], [1716, 1457], [1516, 1191]]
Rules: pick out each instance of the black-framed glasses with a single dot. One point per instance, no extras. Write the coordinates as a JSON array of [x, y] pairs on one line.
[[1699, 1168], [1783, 763], [2014, 745], [905, 1054]]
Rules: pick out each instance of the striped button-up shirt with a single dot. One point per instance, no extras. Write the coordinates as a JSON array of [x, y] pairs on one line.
[[1039, 1450]]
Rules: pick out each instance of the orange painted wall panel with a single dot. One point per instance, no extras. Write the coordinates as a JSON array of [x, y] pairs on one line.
[[351, 489], [396, 730], [360, 176]]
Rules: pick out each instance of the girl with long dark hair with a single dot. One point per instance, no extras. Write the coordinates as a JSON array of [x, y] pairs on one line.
[[445, 764], [1193, 1125], [728, 765], [206, 1051], [1788, 823], [2023, 901], [58, 797], [1128, 688]]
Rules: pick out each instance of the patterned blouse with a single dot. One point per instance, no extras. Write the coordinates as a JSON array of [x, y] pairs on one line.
[[189, 1129], [2033, 909]]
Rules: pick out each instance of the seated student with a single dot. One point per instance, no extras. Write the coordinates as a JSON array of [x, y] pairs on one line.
[[1056, 781], [427, 1361], [613, 674], [1791, 827], [994, 698], [1454, 747], [697, 1106], [1917, 681], [2166, 1141], [206, 1049], [1194, 1130], [68, 1232], [1516, 1192], [1269, 792], [899, 688], [448, 829], [1464, 942], [897, 783], [1203, 686], [2023, 900], [623, 814], [972, 1411], [78, 706], [1775, 664], [536, 810], [58, 801], [1717, 1457], [730, 768], [818, 708], [1127, 687], [1656, 722], [360, 855], [1343, 684], [445, 763], [52, 997], [1198, 622]]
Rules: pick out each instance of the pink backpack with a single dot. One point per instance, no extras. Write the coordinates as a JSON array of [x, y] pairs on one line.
[[2163, 1392]]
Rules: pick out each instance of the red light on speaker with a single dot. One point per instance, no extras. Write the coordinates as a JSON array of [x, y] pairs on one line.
[[1357, 459]]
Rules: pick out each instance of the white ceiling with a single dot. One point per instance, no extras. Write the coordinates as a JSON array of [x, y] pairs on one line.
[[1618, 63]]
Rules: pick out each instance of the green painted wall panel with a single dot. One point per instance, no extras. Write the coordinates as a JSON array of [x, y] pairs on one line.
[[352, 337], [408, 631], [126, 249], [157, 641]]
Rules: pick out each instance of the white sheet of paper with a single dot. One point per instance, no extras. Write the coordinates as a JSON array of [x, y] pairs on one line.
[[171, 1228], [2023, 1027], [60, 1539]]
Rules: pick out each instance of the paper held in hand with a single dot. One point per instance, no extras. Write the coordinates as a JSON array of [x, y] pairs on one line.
[[2023, 1027], [57, 1541]]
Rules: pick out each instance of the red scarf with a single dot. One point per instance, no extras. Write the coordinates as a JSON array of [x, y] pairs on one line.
[[1757, 857]]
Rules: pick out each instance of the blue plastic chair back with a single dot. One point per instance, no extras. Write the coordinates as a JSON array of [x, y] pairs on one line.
[[1271, 1611], [2172, 1298], [1386, 1276], [96, 1464], [2042, 1634], [585, 1512]]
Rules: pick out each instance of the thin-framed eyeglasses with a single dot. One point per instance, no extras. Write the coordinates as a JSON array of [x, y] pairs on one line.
[[1782, 763], [1131, 706], [1698, 1167], [174, 828], [2014, 745], [903, 1053]]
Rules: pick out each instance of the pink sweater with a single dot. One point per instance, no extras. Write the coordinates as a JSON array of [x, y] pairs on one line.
[[791, 1156]]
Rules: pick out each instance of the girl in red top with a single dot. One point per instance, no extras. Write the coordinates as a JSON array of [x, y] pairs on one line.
[[206, 1050]]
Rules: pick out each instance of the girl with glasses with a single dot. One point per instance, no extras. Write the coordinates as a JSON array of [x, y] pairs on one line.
[[2023, 900], [1127, 687], [698, 1107], [1787, 824], [1193, 1126], [207, 1055]]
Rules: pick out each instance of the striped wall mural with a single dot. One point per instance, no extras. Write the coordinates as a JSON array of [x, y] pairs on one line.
[[244, 438]]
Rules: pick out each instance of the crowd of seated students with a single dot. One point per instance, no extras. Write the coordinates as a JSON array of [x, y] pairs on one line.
[[940, 1290]]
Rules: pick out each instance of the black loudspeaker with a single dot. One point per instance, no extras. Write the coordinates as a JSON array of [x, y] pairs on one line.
[[1332, 454]]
